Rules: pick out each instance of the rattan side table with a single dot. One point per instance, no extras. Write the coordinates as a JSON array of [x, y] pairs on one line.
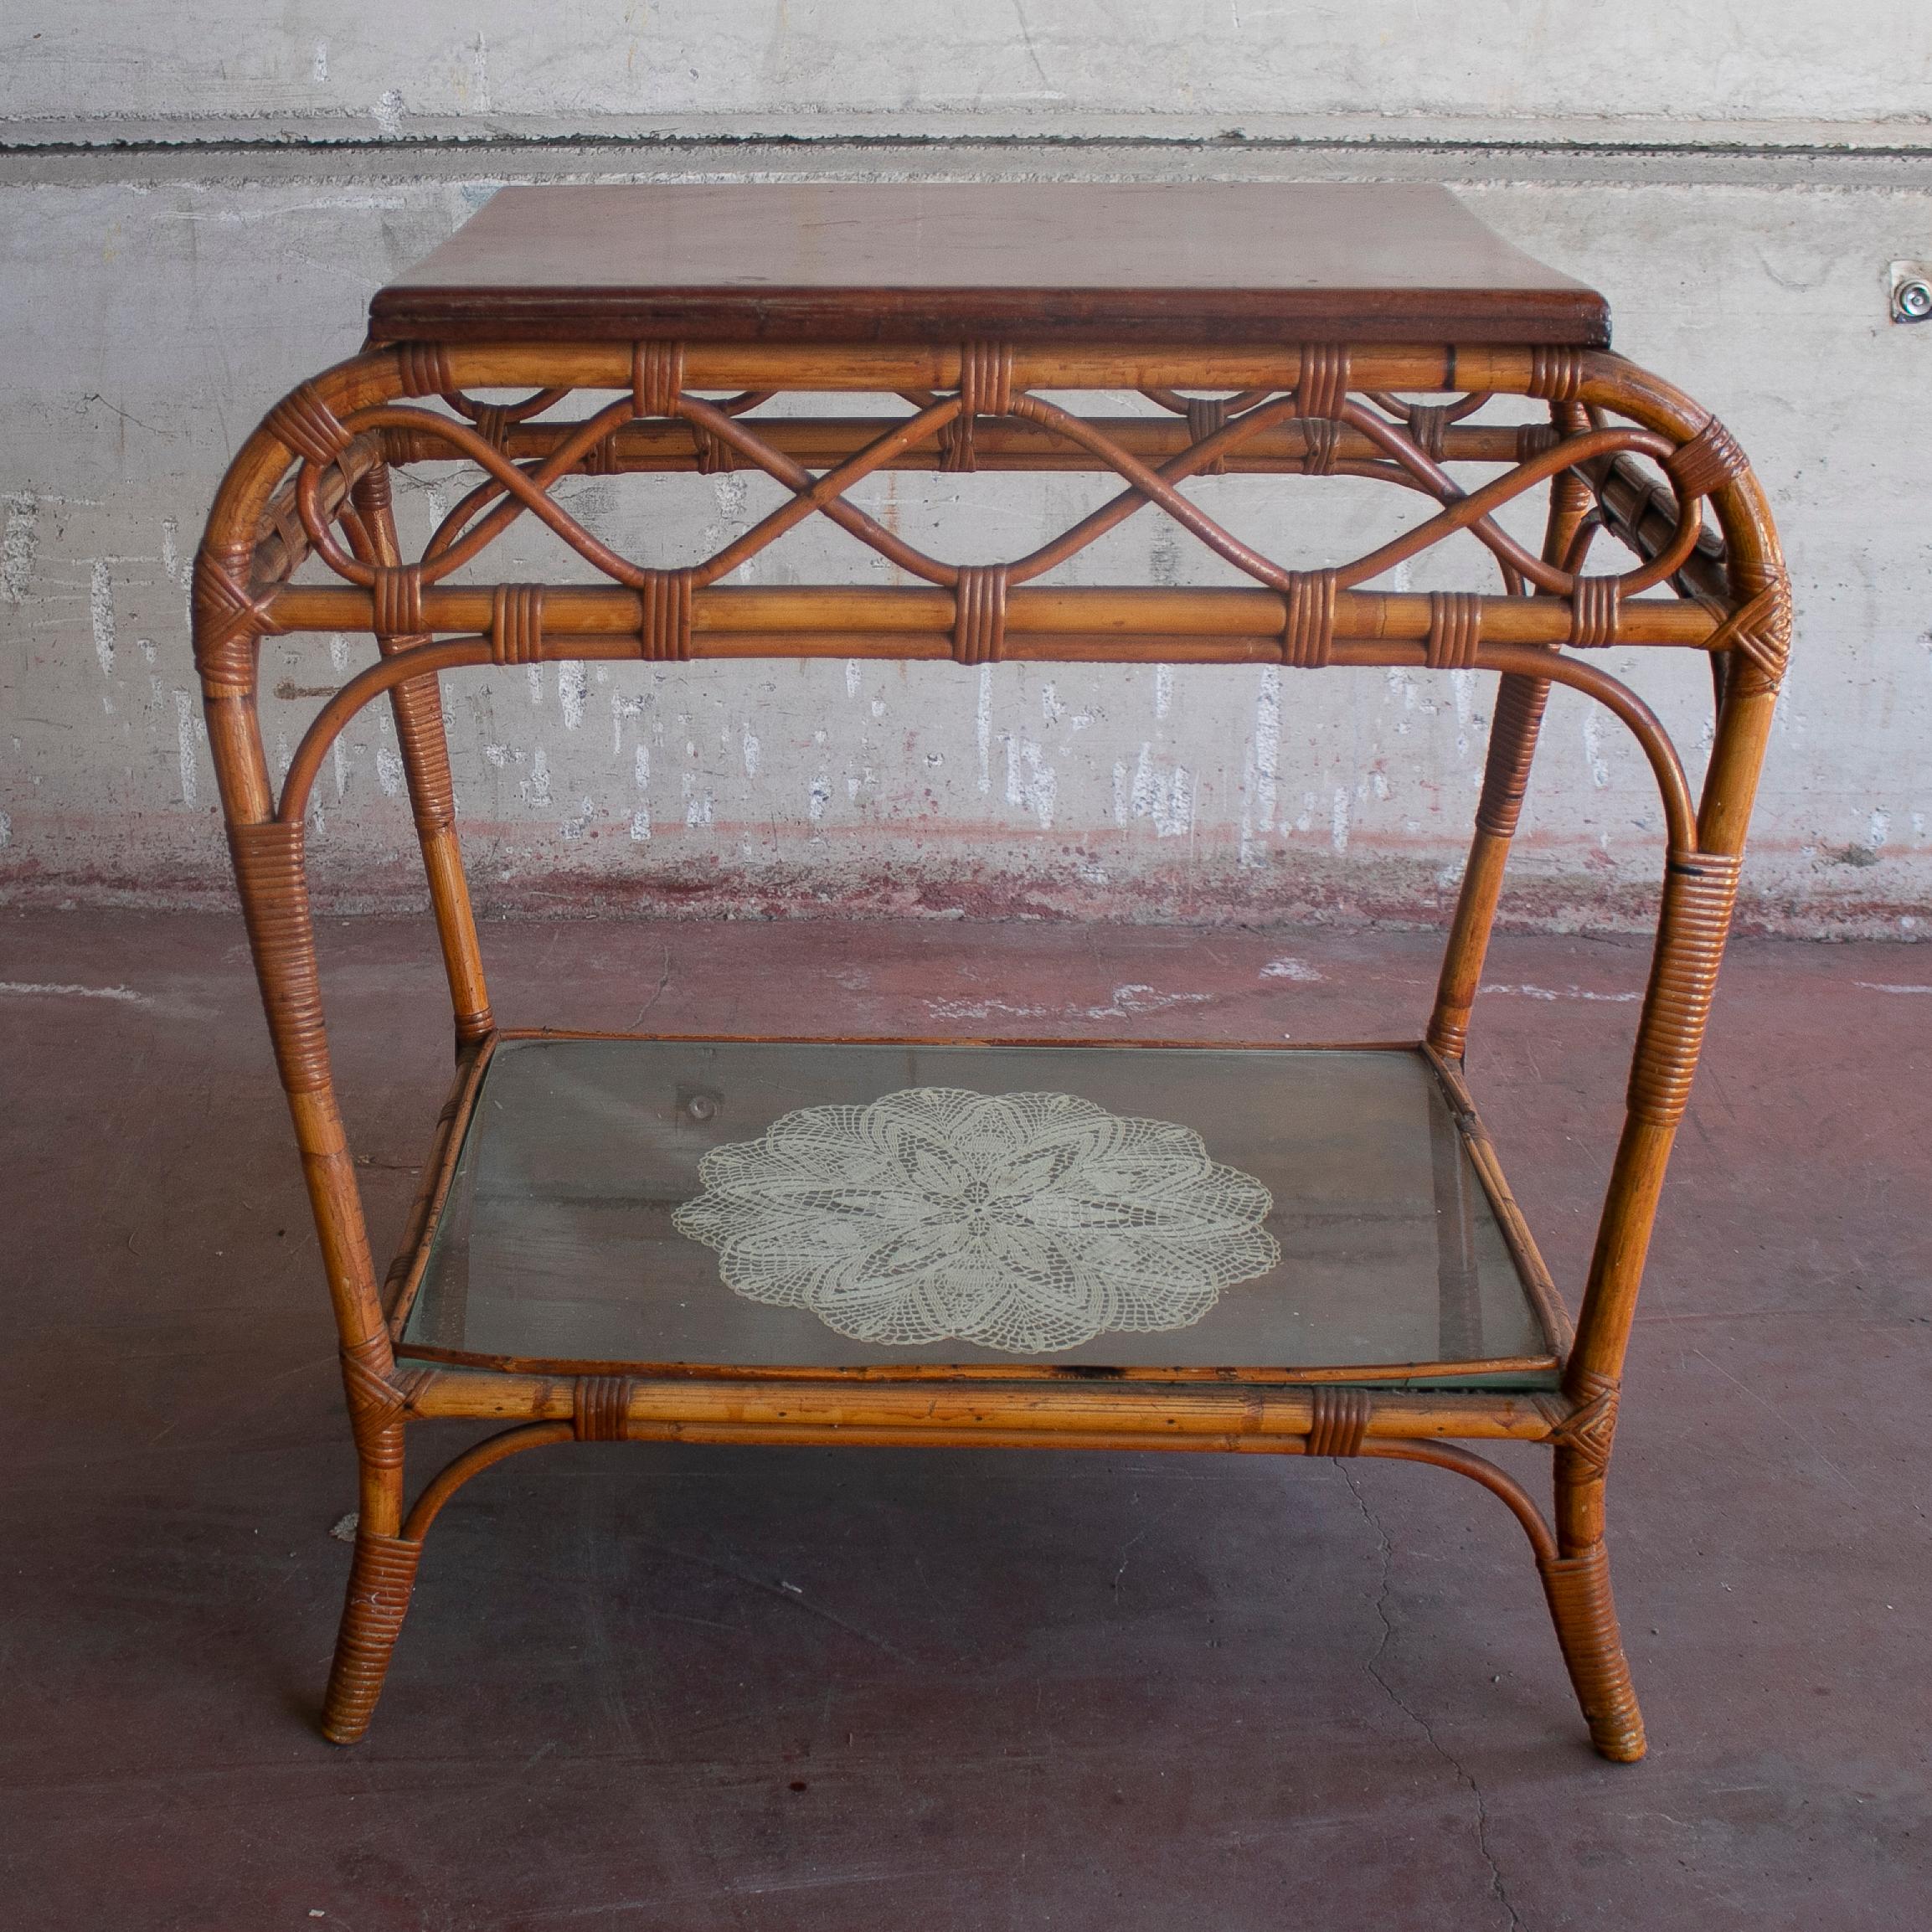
[[1257, 1248]]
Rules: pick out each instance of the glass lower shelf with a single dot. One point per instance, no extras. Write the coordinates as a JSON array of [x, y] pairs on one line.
[[626, 1204]]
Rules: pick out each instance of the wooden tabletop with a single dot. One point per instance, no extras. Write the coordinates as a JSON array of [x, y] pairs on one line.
[[1196, 262]]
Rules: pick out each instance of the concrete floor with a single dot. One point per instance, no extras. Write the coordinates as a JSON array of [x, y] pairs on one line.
[[687, 1689]]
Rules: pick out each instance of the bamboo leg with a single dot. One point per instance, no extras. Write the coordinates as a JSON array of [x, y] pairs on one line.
[[384, 1571], [1577, 1582], [1519, 707], [419, 715]]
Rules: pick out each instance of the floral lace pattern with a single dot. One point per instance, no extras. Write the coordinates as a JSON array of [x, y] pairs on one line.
[[1028, 1222]]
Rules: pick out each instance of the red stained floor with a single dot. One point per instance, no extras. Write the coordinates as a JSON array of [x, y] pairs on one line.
[[648, 1687]]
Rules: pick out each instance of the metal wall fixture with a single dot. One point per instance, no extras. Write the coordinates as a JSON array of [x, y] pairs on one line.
[[1912, 291]]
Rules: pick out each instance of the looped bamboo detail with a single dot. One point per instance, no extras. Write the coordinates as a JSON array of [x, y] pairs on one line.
[[656, 377], [517, 624], [1707, 462], [396, 592], [1556, 374], [268, 866], [664, 630], [1321, 445], [1585, 1617], [1321, 387], [979, 614], [424, 369], [1308, 626], [1454, 631], [1338, 1420], [304, 423], [382, 1579], [1595, 605], [1699, 891], [1207, 416], [601, 1408]]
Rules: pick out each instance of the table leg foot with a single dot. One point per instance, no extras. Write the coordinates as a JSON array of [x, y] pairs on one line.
[[1580, 1605], [381, 1579]]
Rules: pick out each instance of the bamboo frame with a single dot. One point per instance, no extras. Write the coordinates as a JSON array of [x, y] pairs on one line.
[[313, 483]]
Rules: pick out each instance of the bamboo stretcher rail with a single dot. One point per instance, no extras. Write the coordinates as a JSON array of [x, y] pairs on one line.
[[1260, 1414], [999, 443], [824, 622]]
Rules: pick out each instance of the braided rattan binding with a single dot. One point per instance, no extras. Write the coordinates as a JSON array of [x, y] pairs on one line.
[[1589, 1429], [979, 614], [1339, 1420], [1595, 612], [664, 630], [656, 377], [986, 388], [517, 624], [307, 425], [1699, 891], [423, 369], [228, 620], [1320, 446], [376, 1404], [1556, 374], [381, 1579], [1308, 628], [1534, 440], [1454, 631], [1321, 388], [1581, 1607], [1707, 462], [601, 1408], [1760, 631], [1428, 425], [1207, 416], [397, 594]]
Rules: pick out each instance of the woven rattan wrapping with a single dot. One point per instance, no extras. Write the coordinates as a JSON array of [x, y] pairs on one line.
[[1454, 631], [1340, 1420], [227, 622], [517, 624], [307, 425], [268, 866], [980, 614], [1207, 416], [1595, 612], [1586, 1622], [664, 631], [1708, 461], [397, 594], [1322, 389], [601, 1408], [423, 369], [381, 1579], [1556, 374], [656, 377], [1308, 628], [1519, 707], [1699, 891]]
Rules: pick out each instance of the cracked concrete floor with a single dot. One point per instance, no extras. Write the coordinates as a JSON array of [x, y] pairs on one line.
[[646, 1687]]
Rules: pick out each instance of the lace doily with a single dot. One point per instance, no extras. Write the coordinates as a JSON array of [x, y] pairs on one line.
[[1021, 1221]]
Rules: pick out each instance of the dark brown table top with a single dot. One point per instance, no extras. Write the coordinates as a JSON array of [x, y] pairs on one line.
[[1193, 262]]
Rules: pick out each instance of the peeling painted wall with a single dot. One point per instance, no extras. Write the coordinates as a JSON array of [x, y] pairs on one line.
[[156, 301]]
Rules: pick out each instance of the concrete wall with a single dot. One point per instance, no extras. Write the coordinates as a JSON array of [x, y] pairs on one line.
[[1737, 195]]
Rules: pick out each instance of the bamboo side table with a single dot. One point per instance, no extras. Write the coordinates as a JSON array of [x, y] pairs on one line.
[[1300, 1251]]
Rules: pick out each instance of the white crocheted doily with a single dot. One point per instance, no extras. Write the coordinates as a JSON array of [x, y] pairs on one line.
[[1022, 1222]]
